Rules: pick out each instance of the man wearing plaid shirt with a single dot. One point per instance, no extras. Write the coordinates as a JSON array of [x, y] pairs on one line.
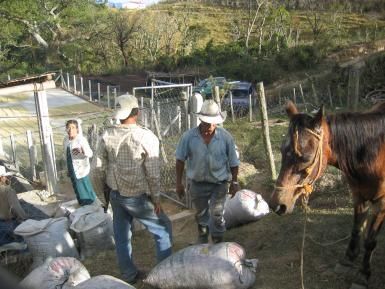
[[127, 163]]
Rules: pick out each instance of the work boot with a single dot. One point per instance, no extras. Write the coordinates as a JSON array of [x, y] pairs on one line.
[[203, 234], [217, 239]]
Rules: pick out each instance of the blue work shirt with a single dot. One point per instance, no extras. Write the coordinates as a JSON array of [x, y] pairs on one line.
[[208, 162]]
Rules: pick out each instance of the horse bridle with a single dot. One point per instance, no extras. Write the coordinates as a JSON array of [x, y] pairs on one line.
[[307, 183]]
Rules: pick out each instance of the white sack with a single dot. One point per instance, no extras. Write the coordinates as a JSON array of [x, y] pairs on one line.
[[104, 282], [47, 238], [218, 266], [62, 272], [94, 230], [246, 206]]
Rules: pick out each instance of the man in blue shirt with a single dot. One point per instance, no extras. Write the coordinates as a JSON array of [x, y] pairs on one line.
[[212, 162]]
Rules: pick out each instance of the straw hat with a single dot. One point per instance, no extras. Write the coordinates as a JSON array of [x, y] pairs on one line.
[[127, 103], [3, 172], [210, 113]]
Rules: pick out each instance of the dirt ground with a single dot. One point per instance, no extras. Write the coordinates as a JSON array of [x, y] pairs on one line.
[[276, 242]]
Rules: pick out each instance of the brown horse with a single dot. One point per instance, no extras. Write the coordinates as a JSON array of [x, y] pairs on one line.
[[355, 144]]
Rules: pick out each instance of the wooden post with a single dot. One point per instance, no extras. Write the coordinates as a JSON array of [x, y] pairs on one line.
[[115, 98], [302, 96], [81, 86], [68, 82], [13, 147], [216, 96], [89, 89], [232, 107], [9, 77], [179, 112], [75, 84], [32, 155], [158, 114], [98, 92], [62, 82], [294, 96], [265, 126]]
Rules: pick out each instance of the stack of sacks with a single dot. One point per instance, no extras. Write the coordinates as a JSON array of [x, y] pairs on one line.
[[93, 228], [47, 238], [219, 266], [246, 206]]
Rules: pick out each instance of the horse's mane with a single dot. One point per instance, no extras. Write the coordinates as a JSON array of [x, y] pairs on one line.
[[357, 138]]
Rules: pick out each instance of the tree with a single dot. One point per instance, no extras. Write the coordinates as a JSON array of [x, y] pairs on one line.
[[124, 27]]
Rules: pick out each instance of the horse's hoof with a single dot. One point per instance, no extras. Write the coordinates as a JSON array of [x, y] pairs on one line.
[[358, 286], [342, 268]]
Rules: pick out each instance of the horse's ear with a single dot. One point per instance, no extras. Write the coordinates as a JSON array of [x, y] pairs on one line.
[[319, 117], [291, 109]]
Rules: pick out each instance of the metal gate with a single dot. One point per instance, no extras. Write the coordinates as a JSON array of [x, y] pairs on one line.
[[165, 110]]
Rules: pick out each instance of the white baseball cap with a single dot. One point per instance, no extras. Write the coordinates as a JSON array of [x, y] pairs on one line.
[[127, 102]]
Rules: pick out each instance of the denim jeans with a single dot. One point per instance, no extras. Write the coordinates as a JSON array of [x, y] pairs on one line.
[[209, 201], [140, 207]]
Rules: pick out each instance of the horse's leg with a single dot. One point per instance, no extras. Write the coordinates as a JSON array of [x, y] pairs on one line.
[[353, 250], [370, 244]]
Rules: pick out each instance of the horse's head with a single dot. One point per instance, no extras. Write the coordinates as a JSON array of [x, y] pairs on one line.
[[302, 159]]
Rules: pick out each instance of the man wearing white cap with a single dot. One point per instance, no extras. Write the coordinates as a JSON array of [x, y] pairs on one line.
[[127, 162], [212, 161], [11, 213]]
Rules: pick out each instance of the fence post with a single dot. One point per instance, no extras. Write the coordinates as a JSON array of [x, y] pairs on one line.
[[89, 89], [75, 85], [302, 96], [108, 96], [158, 114], [231, 106], [32, 152], [294, 96], [68, 82], [9, 77], [13, 148], [265, 125], [115, 98], [179, 113], [81, 86], [216, 96], [61, 79], [98, 92]]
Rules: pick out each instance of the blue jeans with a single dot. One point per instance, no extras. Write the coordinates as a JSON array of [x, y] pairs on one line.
[[209, 201], [141, 208]]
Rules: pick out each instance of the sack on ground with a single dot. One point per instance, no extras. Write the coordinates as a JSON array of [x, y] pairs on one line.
[[93, 229], [104, 282], [246, 206], [61, 272], [47, 238], [219, 266]]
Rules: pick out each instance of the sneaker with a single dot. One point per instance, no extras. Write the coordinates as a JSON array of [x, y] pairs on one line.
[[19, 246]]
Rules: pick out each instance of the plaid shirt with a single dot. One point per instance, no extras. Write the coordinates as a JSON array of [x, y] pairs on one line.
[[127, 160]]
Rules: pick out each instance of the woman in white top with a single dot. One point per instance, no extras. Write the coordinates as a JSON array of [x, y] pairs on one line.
[[77, 152]]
